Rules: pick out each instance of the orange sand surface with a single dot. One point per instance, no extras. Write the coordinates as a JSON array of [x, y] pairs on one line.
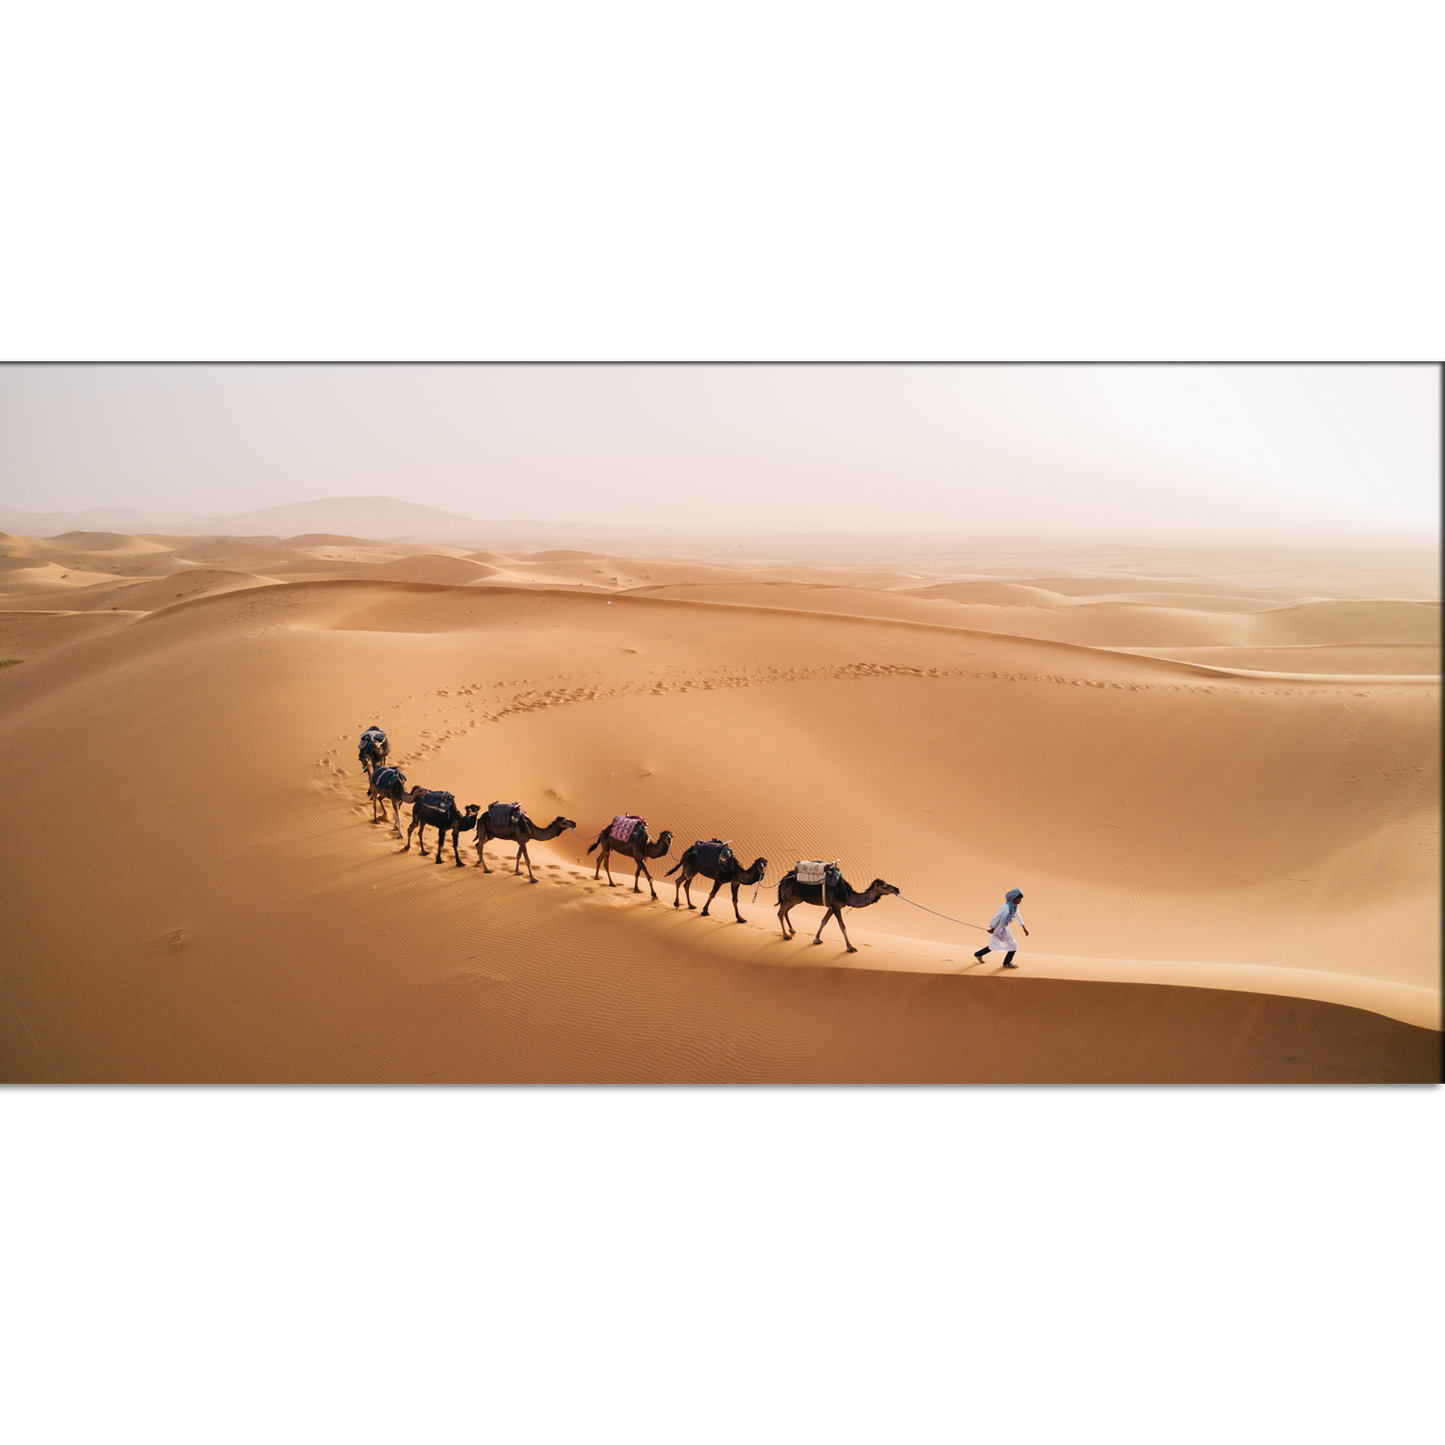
[[1214, 775]]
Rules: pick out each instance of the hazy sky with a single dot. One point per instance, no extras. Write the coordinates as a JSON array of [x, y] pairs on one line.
[[1278, 451]]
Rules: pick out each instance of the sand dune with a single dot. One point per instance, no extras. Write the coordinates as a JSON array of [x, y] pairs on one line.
[[51, 578], [28, 634], [453, 571], [142, 595], [105, 542], [1381, 659], [1020, 594], [1227, 878]]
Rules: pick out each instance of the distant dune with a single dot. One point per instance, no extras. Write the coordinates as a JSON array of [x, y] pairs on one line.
[[1222, 807], [453, 571]]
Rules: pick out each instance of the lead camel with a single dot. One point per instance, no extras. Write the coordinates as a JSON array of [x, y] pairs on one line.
[[840, 896]]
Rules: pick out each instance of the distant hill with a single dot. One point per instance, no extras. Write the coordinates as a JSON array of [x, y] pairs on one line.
[[383, 519]]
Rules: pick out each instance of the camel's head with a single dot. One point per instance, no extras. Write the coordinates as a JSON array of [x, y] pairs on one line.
[[469, 818], [761, 864], [880, 887], [565, 823], [665, 837]]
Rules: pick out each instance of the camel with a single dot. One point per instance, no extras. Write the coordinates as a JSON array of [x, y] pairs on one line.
[[374, 749], [727, 869], [839, 897], [637, 847], [520, 830], [426, 815], [385, 786]]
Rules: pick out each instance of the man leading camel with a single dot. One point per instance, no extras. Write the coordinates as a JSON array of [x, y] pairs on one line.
[[998, 929]]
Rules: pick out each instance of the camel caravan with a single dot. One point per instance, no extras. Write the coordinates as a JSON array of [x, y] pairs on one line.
[[809, 881]]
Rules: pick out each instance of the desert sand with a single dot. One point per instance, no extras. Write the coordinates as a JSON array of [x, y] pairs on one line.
[[1213, 772]]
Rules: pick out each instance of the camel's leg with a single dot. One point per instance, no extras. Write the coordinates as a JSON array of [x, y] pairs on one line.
[[636, 877], [524, 857], [736, 909], [412, 825], [684, 879], [606, 860], [827, 914], [456, 852], [717, 883], [835, 912], [783, 910], [481, 856]]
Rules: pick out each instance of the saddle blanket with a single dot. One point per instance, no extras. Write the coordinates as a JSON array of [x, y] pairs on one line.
[[440, 802], [503, 815], [811, 870], [383, 778], [624, 825], [709, 855]]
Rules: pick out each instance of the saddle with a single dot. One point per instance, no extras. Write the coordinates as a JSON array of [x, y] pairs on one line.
[[373, 738], [816, 872], [504, 815], [710, 855], [384, 778], [438, 801], [624, 825]]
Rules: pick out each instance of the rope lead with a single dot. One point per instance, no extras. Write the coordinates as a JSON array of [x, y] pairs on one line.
[[937, 914]]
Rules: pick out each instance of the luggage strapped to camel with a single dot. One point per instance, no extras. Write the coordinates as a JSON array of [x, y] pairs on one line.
[[384, 777], [819, 874], [711, 854], [372, 737], [504, 815], [624, 825], [441, 802]]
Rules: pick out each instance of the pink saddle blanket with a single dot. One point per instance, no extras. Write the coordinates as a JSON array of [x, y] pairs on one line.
[[624, 825]]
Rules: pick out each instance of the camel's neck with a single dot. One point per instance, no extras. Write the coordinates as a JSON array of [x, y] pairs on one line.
[[860, 900], [550, 831]]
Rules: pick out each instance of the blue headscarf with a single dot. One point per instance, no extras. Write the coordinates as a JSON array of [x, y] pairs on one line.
[[1012, 899]]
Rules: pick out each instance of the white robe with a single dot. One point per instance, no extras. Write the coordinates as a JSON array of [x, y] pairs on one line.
[[998, 931]]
